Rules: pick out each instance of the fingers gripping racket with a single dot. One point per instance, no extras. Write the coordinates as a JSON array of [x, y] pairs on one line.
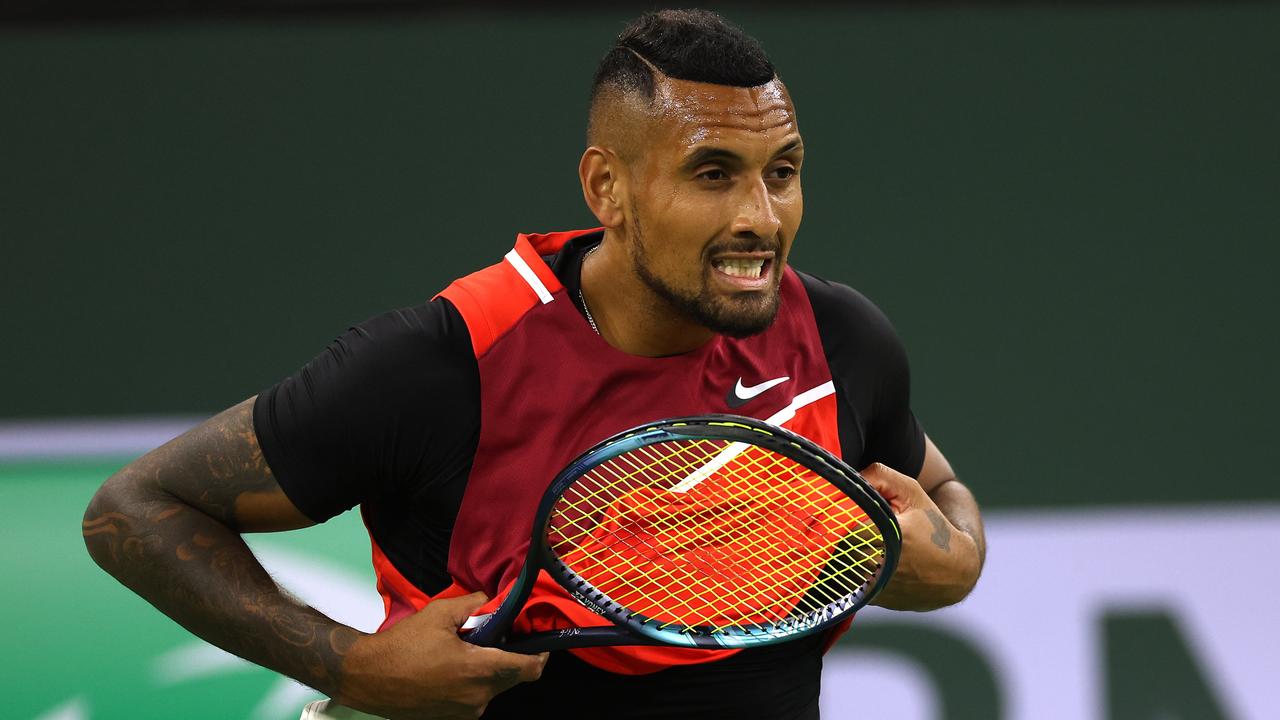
[[714, 531]]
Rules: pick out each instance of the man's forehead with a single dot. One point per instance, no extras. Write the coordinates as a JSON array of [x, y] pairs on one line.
[[694, 110]]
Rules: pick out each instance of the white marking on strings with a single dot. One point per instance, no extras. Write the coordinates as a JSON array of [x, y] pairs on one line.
[[733, 450]]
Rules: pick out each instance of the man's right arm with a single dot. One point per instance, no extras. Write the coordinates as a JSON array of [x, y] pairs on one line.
[[168, 526]]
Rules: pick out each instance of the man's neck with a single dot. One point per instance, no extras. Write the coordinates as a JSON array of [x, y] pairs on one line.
[[628, 314]]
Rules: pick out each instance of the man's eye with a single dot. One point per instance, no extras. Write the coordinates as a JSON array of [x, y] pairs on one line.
[[713, 175], [785, 173]]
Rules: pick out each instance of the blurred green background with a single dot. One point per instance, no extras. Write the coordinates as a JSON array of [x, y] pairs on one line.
[[1070, 212]]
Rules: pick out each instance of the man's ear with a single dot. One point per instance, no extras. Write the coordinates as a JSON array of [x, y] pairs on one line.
[[602, 175]]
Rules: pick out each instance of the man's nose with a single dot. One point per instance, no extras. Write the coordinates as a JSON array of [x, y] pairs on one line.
[[756, 215]]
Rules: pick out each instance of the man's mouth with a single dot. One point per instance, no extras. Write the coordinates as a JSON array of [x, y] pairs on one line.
[[744, 271], [740, 267]]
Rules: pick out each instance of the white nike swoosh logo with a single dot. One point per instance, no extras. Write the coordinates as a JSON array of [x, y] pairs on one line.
[[742, 393]]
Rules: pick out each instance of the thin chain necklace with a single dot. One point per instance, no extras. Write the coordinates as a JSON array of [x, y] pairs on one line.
[[582, 299]]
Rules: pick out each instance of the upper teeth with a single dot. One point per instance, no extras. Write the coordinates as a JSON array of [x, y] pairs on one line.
[[740, 268]]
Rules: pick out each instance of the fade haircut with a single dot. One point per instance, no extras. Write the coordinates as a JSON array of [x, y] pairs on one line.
[[694, 45]]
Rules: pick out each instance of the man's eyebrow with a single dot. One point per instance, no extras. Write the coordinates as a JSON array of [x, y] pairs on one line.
[[792, 146], [711, 153]]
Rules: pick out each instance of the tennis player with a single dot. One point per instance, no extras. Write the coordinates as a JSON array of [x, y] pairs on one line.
[[444, 422]]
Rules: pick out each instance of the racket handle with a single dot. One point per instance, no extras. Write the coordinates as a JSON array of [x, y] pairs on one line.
[[574, 638], [484, 631]]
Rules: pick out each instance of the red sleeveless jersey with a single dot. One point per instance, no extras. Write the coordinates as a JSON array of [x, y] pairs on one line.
[[550, 387]]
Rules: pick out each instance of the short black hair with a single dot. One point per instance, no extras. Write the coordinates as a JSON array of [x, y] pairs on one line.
[[695, 45]]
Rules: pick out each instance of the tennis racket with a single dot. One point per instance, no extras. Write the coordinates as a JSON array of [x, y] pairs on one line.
[[714, 532]]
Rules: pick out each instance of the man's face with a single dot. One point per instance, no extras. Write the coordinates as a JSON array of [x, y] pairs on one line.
[[715, 201]]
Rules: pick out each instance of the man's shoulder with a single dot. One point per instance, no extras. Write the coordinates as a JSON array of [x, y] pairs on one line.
[[839, 307], [432, 329]]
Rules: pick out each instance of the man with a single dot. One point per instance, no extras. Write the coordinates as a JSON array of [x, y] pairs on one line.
[[445, 421]]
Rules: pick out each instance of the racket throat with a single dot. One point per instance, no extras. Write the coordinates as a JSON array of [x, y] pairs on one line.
[[489, 629]]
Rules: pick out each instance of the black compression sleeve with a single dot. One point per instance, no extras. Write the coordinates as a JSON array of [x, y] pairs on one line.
[[388, 403], [873, 381]]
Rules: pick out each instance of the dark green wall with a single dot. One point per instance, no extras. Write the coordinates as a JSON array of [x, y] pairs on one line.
[[1069, 213]]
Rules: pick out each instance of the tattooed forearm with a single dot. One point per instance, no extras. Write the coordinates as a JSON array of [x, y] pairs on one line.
[[961, 511], [941, 530], [166, 527], [217, 467]]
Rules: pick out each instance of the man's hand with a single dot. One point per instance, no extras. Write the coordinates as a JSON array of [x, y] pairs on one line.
[[940, 563], [420, 668]]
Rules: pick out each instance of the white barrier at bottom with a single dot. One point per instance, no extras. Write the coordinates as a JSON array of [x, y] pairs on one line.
[[1052, 579]]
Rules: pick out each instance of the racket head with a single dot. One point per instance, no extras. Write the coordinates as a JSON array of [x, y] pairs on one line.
[[823, 543]]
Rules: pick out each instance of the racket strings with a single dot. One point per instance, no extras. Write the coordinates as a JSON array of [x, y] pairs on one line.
[[720, 572], [628, 475], [757, 471], [662, 579], [657, 579], [749, 596], [733, 542], [803, 569], [591, 503], [767, 597]]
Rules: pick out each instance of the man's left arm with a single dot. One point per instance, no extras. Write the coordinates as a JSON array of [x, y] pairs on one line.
[[943, 543]]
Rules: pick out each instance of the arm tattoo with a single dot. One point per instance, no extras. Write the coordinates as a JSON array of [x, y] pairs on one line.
[[941, 530], [166, 526]]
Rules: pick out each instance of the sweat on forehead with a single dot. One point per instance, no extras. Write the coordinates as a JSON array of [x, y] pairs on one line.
[[624, 119], [704, 103]]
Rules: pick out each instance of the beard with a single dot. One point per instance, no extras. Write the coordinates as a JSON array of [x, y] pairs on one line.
[[739, 316]]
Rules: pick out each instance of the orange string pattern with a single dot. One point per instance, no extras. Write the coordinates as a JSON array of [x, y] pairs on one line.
[[748, 539]]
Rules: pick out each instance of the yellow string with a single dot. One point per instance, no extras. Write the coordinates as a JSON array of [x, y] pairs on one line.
[[721, 522]]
